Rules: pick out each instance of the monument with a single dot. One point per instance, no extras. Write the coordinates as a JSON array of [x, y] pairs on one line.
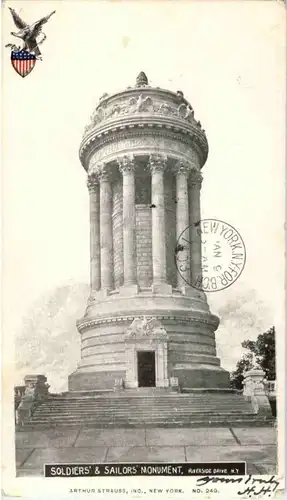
[[145, 325]]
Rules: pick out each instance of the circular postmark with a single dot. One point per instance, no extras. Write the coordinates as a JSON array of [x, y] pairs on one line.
[[210, 255]]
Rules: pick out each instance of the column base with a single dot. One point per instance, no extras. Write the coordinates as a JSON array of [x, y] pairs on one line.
[[162, 288], [131, 384], [162, 382], [131, 289], [102, 294], [188, 291], [191, 291]]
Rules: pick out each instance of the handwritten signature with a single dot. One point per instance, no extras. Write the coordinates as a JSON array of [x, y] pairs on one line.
[[250, 485]]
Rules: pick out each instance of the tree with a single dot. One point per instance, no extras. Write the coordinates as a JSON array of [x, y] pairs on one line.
[[237, 377], [263, 350]]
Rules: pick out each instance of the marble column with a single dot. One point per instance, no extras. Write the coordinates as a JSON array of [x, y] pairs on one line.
[[195, 182], [95, 250], [182, 171], [157, 164], [106, 228], [127, 168]]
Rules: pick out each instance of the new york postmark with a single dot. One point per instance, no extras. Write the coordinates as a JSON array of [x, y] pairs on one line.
[[223, 255]]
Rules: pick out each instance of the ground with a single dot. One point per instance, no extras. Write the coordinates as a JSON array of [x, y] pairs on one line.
[[257, 446]]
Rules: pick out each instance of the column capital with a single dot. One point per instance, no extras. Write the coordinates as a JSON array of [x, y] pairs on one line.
[[157, 163], [183, 167], [92, 182], [126, 164], [103, 172], [195, 178]]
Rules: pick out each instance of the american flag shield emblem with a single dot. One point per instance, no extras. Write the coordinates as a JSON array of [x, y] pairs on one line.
[[23, 62]]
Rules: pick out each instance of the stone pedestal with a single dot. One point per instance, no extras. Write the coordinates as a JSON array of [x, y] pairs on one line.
[[174, 384], [254, 391], [36, 390]]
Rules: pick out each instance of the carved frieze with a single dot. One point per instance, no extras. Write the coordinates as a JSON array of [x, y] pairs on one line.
[[146, 327], [143, 144], [209, 321], [141, 104]]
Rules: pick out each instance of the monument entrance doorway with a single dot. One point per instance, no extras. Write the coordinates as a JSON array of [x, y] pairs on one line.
[[146, 368]]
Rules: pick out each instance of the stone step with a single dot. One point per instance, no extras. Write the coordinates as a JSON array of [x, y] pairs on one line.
[[146, 397], [99, 410], [140, 416], [129, 404], [110, 415], [167, 410], [155, 420], [154, 423], [144, 407], [252, 422], [146, 411]]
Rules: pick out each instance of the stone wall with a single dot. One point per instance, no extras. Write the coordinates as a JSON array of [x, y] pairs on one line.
[[170, 226], [144, 229], [144, 244], [143, 187]]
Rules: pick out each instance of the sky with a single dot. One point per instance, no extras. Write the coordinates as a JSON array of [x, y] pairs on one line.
[[229, 60]]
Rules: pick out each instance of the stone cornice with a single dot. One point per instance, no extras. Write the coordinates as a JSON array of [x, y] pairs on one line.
[[143, 126], [86, 324]]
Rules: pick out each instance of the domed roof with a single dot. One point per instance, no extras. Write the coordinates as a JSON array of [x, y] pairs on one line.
[[144, 106]]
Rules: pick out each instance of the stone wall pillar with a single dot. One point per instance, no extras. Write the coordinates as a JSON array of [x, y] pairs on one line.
[[157, 165], [95, 250], [106, 229], [127, 168], [36, 391], [182, 170], [195, 182]]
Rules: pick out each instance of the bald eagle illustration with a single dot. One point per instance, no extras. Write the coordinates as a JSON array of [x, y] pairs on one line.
[[30, 33]]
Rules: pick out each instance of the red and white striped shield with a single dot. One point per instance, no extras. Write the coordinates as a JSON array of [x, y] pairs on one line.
[[23, 62]]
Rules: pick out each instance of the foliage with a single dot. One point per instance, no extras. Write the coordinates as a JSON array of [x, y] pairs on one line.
[[262, 351]]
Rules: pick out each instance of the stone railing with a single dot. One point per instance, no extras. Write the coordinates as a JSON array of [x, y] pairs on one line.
[[254, 391], [27, 397]]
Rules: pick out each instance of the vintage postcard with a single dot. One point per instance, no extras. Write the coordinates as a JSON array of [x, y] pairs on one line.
[[143, 176]]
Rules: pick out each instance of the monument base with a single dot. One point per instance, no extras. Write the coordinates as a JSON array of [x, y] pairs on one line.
[[90, 381], [188, 378], [202, 377]]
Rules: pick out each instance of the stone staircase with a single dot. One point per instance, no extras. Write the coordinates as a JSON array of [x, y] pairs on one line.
[[146, 409]]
